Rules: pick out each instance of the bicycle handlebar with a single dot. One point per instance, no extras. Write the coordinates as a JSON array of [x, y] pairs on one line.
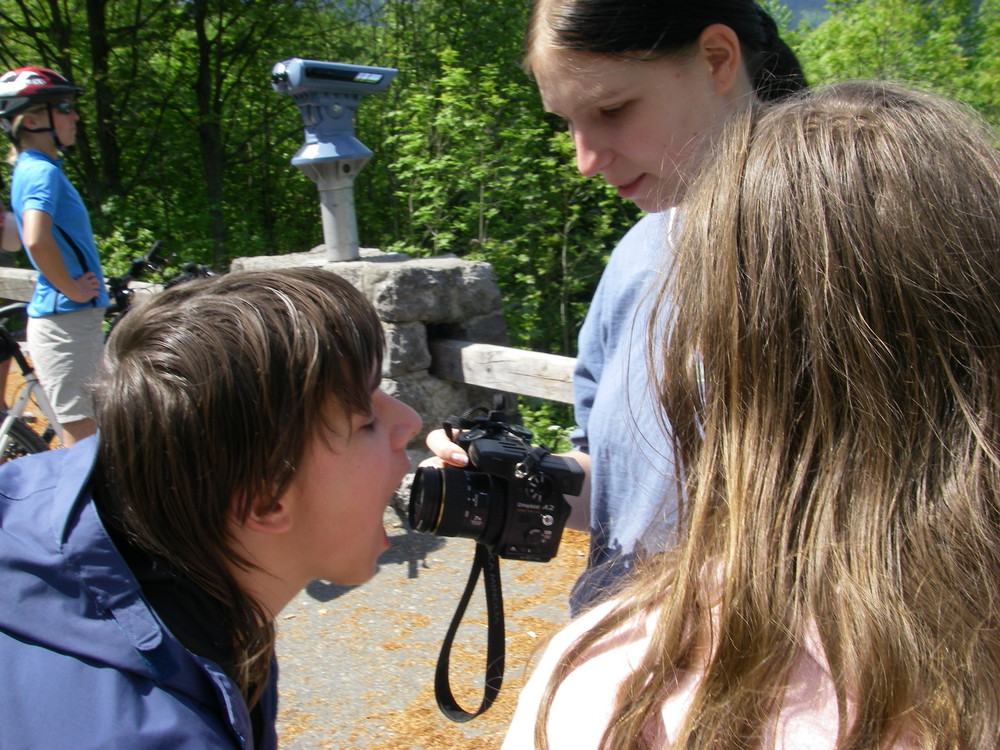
[[118, 286], [151, 261]]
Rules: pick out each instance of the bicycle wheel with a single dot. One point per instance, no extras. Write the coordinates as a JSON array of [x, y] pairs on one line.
[[23, 440]]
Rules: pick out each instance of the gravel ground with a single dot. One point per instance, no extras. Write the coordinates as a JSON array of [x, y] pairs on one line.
[[357, 664]]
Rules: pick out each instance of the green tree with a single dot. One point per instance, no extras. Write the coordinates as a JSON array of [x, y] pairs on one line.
[[182, 136], [177, 130], [467, 162], [982, 85], [949, 45]]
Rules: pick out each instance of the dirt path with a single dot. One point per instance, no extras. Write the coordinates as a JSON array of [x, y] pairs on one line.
[[358, 664]]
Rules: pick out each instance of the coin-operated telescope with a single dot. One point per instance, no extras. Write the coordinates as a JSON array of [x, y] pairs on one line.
[[327, 95]]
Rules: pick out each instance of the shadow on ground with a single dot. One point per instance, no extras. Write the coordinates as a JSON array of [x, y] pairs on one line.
[[409, 548]]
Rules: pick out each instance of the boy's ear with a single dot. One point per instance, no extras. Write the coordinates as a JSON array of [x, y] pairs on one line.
[[270, 518], [720, 47]]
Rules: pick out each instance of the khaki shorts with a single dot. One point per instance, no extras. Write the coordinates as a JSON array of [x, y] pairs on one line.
[[65, 350]]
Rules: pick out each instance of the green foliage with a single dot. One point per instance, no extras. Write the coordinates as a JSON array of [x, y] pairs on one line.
[[121, 246], [949, 45], [182, 138], [551, 422], [177, 121], [982, 83]]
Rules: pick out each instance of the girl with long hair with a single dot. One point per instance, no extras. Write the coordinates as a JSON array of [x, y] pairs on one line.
[[831, 376]]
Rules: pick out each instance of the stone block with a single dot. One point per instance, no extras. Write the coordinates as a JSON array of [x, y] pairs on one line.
[[353, 271], [406, 349], [404, 290], [415, 292], [433, 290], [447, 296]]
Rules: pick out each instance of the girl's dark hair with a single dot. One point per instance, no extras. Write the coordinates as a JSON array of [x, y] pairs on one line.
[[628, 27], [207, 399]]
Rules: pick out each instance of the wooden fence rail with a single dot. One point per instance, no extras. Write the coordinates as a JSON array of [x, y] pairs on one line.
[[17, 284], [502, 368]]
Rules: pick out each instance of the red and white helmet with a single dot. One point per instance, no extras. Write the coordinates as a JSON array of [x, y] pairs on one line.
[[22, 87]]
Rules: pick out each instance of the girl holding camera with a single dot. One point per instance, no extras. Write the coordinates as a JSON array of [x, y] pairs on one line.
[[644, 89]]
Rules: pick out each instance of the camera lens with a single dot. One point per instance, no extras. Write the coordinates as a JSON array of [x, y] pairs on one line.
[[455, 502]]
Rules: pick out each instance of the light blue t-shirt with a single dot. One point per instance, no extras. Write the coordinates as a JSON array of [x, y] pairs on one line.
[[39, 184], [633, 499]]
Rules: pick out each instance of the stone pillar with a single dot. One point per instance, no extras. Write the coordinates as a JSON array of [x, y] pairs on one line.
[[443, 297]]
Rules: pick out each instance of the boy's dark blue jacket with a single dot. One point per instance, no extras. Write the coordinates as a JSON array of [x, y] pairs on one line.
[[84, 661]]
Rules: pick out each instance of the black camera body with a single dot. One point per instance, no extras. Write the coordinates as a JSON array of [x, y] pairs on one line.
[[509, 498]]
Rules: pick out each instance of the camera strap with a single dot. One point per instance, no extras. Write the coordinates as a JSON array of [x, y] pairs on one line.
[[489, 564]]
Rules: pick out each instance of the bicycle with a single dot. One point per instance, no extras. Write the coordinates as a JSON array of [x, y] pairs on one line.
[[17, 436]]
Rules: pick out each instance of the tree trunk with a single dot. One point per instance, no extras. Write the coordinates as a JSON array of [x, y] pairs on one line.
[[209, 131]]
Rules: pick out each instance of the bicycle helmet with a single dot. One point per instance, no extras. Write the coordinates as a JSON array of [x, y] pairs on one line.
[[22, 87]]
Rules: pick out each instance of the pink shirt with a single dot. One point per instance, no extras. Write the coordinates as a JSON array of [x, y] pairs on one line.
[[582, 706]]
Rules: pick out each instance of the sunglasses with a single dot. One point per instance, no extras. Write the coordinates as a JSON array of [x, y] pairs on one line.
[[65, 108]]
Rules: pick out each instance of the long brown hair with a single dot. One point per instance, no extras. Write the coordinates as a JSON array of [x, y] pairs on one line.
[[206, 400], [831, 376]]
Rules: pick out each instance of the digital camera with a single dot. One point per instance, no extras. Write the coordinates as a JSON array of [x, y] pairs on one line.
[[509, 499]]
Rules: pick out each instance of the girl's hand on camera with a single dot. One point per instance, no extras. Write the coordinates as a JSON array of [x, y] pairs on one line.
[[446, 453]]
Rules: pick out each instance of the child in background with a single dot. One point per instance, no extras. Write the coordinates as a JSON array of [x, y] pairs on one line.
[[37, 111]]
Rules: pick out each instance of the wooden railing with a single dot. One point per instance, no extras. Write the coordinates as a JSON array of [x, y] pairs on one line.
[[17, 284], [502, 368]]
